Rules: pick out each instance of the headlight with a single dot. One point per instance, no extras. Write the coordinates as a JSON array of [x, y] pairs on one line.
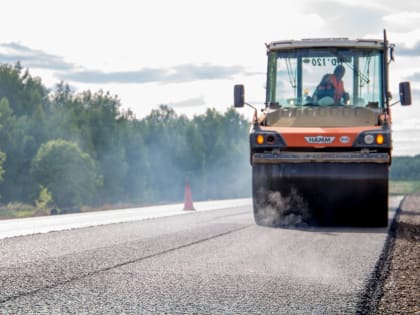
[[370, 138]]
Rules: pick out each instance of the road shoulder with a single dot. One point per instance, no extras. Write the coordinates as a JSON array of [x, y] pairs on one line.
[[401, 289]]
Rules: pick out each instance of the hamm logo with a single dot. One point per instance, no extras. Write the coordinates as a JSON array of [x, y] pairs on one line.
[[320, 140]]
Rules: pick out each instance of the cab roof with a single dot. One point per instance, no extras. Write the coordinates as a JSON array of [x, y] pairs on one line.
[[326, 43]]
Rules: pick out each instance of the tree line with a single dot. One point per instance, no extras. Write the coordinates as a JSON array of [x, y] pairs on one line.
[[405, 168], [68, 149]]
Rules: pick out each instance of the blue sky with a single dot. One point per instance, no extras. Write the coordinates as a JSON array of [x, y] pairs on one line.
[[189, 54]]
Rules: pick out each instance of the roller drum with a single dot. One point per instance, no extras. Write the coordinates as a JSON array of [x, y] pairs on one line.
[[350, 194]]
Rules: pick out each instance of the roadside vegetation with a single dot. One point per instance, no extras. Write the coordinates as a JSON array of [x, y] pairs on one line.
[[403, 187], [61, 149], [64, 151], [405, 175]]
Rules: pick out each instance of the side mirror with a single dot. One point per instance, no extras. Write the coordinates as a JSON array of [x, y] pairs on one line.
[[405, 93], [239, 95]]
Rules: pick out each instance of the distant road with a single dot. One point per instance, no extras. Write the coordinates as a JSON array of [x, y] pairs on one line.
[[19, 227], [206, 262]]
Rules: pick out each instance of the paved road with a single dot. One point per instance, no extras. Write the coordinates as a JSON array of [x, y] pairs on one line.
[[211, 262], [27, 226]]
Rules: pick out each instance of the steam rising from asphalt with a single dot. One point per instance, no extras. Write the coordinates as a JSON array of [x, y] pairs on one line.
[[291, 210]]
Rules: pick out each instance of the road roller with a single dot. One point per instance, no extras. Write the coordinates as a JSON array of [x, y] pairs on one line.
[[320, 149]]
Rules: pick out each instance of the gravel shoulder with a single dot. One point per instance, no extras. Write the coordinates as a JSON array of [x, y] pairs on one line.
[[401, 289]]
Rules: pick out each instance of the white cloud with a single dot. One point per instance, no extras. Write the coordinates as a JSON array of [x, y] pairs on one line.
[[403, 21], [190, 102]]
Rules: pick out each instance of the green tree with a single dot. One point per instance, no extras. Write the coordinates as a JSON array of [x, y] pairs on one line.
[[67, 172], [163, 136], [22, 91], [2, 154], [23, 102], [405, 168], [225, 149], [2, 159], [137, 180], [44, 200]]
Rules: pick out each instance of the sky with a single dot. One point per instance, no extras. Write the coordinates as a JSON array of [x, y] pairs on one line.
[[189, 54]]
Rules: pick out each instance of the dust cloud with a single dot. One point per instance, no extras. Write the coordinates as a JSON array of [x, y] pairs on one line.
[[285, 211]]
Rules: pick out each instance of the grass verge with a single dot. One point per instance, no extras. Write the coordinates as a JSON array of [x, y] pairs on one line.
[[17, 210], [403, 187]]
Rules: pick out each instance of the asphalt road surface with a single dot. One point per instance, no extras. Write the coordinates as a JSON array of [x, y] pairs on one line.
[[202, 262]]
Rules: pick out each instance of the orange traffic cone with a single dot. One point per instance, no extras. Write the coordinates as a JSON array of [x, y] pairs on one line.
[[188, 203]]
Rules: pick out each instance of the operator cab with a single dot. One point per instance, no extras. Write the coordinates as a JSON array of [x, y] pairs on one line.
[[309, 72]]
